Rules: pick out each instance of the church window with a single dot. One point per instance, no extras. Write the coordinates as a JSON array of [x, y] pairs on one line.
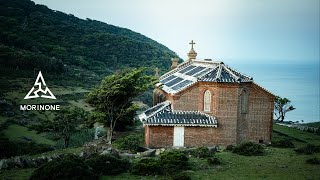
[[206, 101]]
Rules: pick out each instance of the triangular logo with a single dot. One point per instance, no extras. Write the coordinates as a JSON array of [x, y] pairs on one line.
[[33, 93]]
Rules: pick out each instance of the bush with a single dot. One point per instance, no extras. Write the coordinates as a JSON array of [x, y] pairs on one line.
[[214, 161], [131, 143], [284, 143], [308, 149], [249, 149], [146, 166], [68, 167], [230, 147], [173, 161], [16, 148], [181, 176], [313, 161], [202, 152], [107, 164]]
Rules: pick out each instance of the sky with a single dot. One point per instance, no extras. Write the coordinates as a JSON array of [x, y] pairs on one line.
[[266, 31]]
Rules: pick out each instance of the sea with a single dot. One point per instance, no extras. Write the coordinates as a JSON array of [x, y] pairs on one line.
[[298, 82]]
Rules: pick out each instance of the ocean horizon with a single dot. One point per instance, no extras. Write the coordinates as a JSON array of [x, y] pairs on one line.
[[299, 82]]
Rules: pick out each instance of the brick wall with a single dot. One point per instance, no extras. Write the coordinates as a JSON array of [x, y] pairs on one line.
[[233, 126], [159, 136]]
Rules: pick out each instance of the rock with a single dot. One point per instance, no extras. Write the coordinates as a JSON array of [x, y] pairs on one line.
[[213, 149], [3, 164], [158, 151], [127, 155], [18, 162], [81, 154], [110, 151], [105, 152], [149, 153]]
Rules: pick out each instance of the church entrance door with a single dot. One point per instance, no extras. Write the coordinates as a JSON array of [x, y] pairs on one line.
[[178, 136]]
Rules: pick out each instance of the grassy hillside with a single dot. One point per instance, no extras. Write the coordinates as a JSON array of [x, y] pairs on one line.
[[34, 37], [296, 134]]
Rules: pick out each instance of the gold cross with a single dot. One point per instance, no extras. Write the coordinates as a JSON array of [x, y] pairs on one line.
[[192, 43]]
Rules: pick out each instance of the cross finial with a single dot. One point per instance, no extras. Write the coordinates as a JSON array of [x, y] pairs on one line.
[[192, 43]]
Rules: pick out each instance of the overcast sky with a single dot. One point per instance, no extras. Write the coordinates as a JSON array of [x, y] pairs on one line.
[[237, 30]]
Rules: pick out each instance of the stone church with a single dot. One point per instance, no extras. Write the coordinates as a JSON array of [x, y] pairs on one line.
[[207, 103]]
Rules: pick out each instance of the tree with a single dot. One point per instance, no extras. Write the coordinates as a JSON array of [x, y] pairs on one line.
[[113, 98], [67, 122], [282, 106]]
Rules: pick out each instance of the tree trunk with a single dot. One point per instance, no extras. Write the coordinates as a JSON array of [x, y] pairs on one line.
[[66, 142], [109, 135]]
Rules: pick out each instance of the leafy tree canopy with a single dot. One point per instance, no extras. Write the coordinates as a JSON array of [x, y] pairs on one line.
[[281, 107], [113, 98]]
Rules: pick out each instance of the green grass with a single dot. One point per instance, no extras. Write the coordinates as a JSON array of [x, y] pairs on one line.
[[81, 104], [61, 151], [313, 124], [297, 134], [276, 164], [15, 132], [16, 174]]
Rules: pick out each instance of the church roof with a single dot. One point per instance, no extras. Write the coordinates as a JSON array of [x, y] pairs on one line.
[[163, 115], [191, 72]]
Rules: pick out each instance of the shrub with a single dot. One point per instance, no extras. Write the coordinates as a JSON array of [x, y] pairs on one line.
[[68, 167], [308, 149], [146, 166], [16, 148], [7, 148], [284, 143], [131, 143], [230, 147], [313, 161], [214, 161], [107, 164], [181, 176], [249, 149], [173, 161], [202, 152]]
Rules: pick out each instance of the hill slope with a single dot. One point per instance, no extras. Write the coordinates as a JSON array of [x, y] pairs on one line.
[[34, 37]]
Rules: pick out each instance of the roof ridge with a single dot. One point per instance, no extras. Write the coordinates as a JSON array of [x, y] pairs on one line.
[[230, 72], [218, 75]]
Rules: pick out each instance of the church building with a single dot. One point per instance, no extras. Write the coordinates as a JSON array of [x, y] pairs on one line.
[[207, 103]]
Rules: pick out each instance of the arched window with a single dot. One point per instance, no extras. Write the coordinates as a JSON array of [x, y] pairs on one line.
[[244, 101], [206, 101]]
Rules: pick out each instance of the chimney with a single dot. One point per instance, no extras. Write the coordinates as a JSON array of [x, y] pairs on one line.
[[174, 63]]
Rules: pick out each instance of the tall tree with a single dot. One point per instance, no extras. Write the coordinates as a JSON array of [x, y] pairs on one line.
[[282, 106], [113, 98]]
